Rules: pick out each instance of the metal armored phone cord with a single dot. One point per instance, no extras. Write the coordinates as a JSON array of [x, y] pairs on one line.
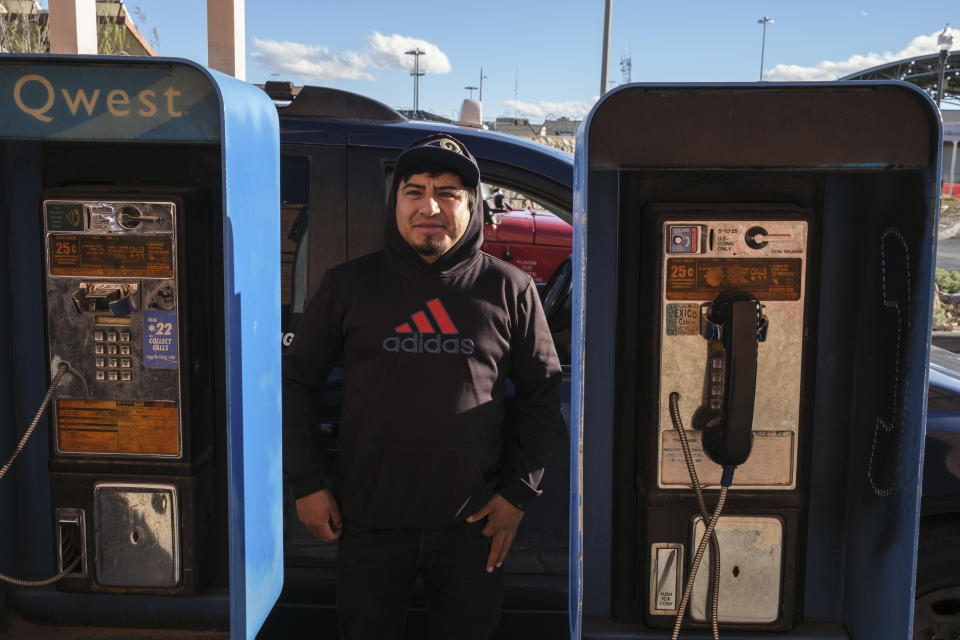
[[704, 513], [725, 482], [61, 370]]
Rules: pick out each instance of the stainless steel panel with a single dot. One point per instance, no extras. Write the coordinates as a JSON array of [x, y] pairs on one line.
[[772, 464], [111, 353], [751, 559], [137, 534]]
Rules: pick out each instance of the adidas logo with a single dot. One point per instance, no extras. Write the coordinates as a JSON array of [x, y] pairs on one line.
[[423, 337]]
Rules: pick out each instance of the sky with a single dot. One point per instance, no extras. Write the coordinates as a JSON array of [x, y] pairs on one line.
[[542, 58]]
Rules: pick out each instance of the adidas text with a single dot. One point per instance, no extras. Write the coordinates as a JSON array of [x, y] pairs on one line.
[[416, 343]]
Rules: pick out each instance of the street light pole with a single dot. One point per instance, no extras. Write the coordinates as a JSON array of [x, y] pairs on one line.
[[944, 42], [608, 10], [416, 73], [480, 97], [471, 90], [763, 44]]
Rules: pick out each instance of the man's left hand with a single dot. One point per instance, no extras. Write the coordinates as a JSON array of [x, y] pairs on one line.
[[502, 521]]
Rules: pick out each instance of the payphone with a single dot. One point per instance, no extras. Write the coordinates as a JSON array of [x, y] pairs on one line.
[[120, 312], [747, 423], [731, 301], [138, 200]]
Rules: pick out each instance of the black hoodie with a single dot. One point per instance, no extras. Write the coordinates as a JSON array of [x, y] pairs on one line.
[[427, 348]]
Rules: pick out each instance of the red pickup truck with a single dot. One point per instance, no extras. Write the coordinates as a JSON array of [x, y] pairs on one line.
[[532, 239]]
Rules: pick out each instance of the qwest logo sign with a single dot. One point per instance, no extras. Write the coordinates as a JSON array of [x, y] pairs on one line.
[[424, 336]]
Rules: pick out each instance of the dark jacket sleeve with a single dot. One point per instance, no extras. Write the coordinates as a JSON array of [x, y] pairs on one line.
[[306, 364], [535, 371]]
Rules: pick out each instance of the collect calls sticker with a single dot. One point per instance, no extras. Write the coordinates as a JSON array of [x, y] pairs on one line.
[[160, 339]]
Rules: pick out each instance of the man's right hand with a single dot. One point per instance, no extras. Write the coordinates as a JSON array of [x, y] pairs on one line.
[[320, 514]]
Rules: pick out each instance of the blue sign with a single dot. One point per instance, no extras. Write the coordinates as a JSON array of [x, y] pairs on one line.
[[160, 339], [107, 101]]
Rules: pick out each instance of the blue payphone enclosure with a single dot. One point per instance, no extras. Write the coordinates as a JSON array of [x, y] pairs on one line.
[[123, 103], [861, 164]]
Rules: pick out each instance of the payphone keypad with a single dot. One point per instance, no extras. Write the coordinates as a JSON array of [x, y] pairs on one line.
[[116, 345], [113, 313]]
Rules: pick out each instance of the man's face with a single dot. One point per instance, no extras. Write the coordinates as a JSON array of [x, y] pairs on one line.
[[432, 212]]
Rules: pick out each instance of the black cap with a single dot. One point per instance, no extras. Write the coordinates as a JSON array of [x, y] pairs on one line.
[[442, 150]]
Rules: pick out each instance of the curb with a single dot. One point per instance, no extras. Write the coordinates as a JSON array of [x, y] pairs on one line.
[[949, 340], [950, 231]]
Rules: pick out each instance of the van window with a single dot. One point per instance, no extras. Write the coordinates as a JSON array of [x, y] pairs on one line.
[[294, 197]]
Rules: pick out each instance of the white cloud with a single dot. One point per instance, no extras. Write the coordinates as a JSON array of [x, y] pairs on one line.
[[831, 70], [311, 62], [545, 108], [387, 52], [315, 62]]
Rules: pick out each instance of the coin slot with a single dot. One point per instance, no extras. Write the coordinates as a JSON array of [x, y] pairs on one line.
[[129, 217]]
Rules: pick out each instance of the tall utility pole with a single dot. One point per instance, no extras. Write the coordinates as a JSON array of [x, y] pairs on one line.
[[607, 12], [480, 97], [471, 89], [763, 44], [516, 92], [416, 73]]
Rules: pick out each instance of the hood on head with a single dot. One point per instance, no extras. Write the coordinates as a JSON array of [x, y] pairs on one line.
[[447, 151]]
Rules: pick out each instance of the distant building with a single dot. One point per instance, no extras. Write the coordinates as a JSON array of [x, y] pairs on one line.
[[519, 127], [951, 139], [24, 29], [561, 126]]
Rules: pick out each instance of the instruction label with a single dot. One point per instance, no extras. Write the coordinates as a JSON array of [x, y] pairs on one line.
[[770, 463], [704, 278], [111, 256], [116, 427], [160, 339], [683, 319]]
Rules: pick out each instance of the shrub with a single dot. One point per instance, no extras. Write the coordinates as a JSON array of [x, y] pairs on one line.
[[948, 281]]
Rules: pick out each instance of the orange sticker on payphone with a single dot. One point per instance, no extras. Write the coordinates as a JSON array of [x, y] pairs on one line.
[[114, 427], [111, 256], [704, 278]]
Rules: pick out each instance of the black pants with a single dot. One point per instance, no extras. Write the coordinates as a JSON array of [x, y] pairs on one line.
[[377, 569]]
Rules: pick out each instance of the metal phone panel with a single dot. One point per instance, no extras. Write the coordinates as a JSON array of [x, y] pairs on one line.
[[751, 552], [113, 314], [137, 534], [701, 258]]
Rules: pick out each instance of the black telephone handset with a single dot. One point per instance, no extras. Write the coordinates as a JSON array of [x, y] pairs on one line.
[[734, 326]]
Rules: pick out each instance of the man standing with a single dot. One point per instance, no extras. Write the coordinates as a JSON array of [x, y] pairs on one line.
[[430, 328]]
